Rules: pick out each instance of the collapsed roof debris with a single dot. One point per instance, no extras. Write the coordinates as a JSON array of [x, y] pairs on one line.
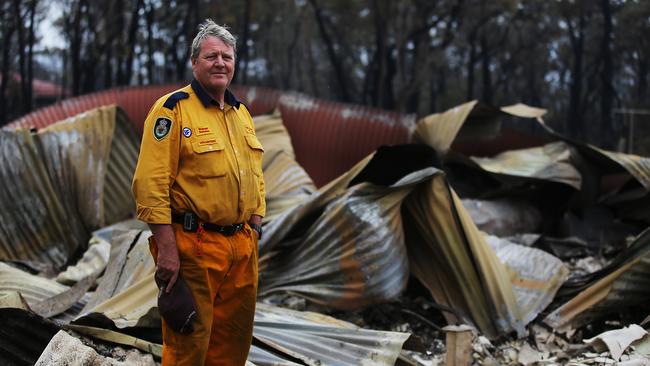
[[62, 182], [624, 282], [23, 335], [349, 222], [65, 349]]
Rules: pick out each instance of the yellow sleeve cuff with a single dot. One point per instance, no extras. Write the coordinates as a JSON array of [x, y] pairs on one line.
[[260, 211], [154, 215]]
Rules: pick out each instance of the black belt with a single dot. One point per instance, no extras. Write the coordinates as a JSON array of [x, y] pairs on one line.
[[190, 222]]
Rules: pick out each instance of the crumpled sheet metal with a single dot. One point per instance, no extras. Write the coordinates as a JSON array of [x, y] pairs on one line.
[[64, 180], [283, 334], [23, 336], [92, 263], [536, 275], [127, 292], [524, 111], [136, 102], [450, 256], [286, 182], [317, 339], [637, 166], [504, 217], [551, 162], [309, 249], [624, 282], [34, 225], [329, 137], [439, 130], [353, 255], [272, 134], [471, 121], [36, 290]]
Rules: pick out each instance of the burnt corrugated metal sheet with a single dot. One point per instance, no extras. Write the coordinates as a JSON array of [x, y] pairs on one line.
[[64, 181], [37, 290], [136, 102], [127, 296], [34, 225], [342, 247], [474, 128], [551, 162], [622, 284], [130, 266], [118, 199], [287, 183], [317, 339], [349, 256], [23, 336], [537, 275], [329, 138]]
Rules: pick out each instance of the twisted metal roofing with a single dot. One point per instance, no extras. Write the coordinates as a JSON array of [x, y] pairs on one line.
[[63, 181], [328, 137]]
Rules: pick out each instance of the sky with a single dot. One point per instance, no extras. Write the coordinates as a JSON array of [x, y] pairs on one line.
[[50, 35]]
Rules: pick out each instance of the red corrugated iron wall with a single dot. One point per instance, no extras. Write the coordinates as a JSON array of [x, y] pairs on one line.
[[328, 137]]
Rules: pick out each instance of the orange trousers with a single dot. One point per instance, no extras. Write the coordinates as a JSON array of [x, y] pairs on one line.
[[221, 272]]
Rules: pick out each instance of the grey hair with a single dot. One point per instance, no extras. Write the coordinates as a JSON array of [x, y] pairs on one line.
[[210, 28]]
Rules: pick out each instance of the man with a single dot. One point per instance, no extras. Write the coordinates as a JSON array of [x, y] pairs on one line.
[[198, 184]]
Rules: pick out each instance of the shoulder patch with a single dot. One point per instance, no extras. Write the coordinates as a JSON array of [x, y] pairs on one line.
[[171, 101], [161, 128]]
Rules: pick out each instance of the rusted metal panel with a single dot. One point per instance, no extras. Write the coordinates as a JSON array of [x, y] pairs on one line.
[[34, 226], [64, 181], [317, 339], [623, 283], [136, 102], [551, 162], [37, 290], [329, 138], [258, 100]]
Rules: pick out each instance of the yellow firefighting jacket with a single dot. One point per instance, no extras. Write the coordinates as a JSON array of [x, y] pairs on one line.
[[197, 157]]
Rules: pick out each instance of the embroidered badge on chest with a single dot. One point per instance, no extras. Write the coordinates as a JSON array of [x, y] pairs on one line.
[[187, 132], [161, 128]]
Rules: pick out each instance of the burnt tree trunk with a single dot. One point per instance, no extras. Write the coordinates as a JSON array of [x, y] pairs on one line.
[[607, 74], [486, 73], [8, 28], [21, 56], [242, 60], [131, 41], [576, 37], [339, 70]]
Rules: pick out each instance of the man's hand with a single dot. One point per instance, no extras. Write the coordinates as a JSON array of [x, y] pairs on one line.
[[257, 220], [168, 263]]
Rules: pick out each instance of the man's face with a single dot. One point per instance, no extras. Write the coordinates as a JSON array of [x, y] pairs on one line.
[[215, 65]]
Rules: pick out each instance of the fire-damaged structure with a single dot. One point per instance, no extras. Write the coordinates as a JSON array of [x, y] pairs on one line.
[[488, 217]]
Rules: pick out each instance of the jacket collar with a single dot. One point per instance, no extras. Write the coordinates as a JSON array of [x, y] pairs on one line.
[[207, 100]]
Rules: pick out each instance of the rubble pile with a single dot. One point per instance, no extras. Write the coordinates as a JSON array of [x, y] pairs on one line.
[[420, 254]]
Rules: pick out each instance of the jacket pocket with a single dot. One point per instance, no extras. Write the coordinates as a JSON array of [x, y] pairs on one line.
[[256, 153], [209, 158]]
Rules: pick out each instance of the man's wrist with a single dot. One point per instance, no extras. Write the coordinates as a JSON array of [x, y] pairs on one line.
[[257, 228]]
